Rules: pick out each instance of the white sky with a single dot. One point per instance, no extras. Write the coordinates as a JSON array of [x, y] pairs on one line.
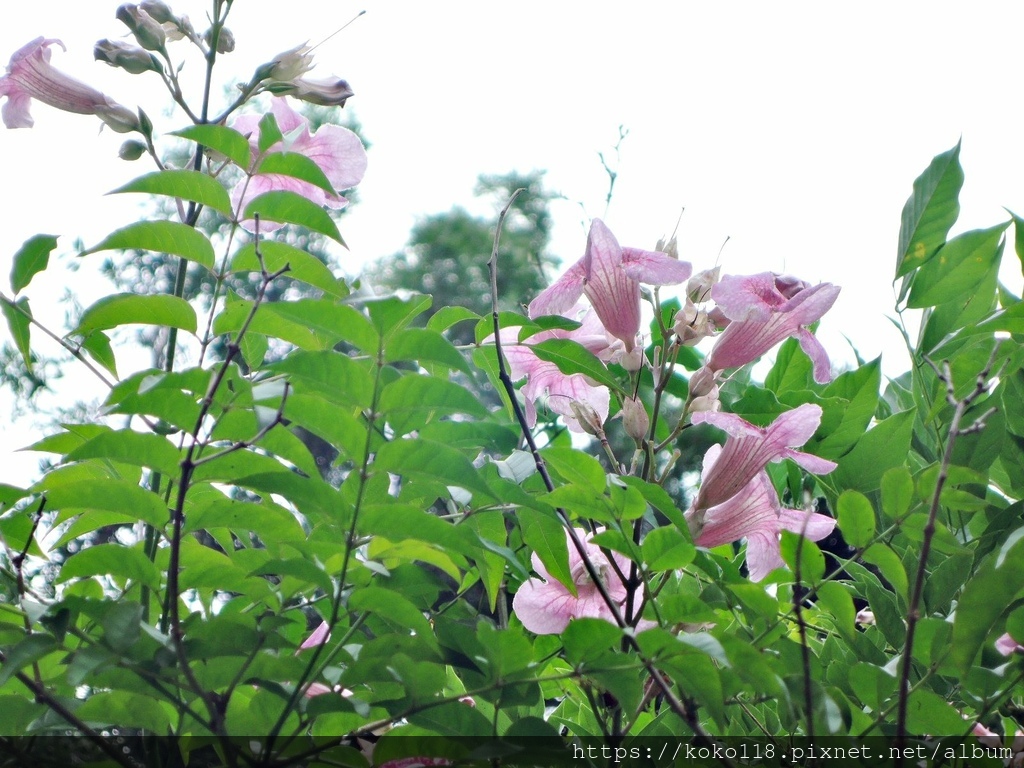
[[795, 129]]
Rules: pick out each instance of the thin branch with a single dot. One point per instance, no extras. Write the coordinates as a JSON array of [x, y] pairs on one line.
[[914, 611]]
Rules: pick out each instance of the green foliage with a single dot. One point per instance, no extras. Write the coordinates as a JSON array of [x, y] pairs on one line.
[[327, 461]]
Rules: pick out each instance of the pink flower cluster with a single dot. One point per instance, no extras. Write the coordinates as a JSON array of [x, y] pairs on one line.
[[736, 499]]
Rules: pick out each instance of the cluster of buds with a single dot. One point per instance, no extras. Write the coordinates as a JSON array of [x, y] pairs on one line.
[[693, 323], [283, 76]]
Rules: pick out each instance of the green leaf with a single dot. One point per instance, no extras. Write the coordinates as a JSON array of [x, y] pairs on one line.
[[793, 370], [107, 494], [298, 167], [997, 583], [229, 142], [31, 259], [270, 134], [658, 498], [958, 267], [572, 357], [31, 649], [433, 461], [883, 447], [412, 401], [888, 562], [545, 536], [425, 346], [331, 321], [859, 388], [390, 314], [97, 344], [114, 560], [188, 185], [897, 492], [129, 308], [268, 322], [795, 547], [302, 266], [856, 518], [667, 549], [446, 317], [930, 211], [17, 315], [291, 208], [136, 448], [576, 467], [169, 237], [330, 374]]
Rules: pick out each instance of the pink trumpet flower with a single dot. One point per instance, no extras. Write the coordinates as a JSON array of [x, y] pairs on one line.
[[755, 514], [546, 606], [610, 276], [544, 378], [765, 309], [748, 449], [337, 150], [31, 76]]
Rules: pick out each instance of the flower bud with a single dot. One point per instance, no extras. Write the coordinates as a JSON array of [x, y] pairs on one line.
[[698, 288], [635, 419], [158, 11], [120, 119], [287, 66], [148, 32], [327, 93], [131, 150], [128, 57], [702, 382], [632, 360], [225, 40], [589, 421]]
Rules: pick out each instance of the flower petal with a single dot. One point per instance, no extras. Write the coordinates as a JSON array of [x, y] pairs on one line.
[[654, 267], [561, 296], [544, 608]]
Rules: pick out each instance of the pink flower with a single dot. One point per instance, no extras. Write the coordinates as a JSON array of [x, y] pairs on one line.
[[748, 449], [764, 310], [546, 606], [1008, 646], [319, 636], [755, 514], [337, 150], [544, 378], [31, 76], [610, 276]]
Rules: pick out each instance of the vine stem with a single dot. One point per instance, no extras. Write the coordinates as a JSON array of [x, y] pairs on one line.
[[687, 714], [960, 408]]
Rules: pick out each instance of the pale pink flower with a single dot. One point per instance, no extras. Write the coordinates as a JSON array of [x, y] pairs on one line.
[[31, 76], [545, 379], [748, 449], [545, 606], [319, 636], [610, 276], [336, 150], [755, 514], [1007, 645], [765, 309]]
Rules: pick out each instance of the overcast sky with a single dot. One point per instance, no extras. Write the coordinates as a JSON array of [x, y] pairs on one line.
[[793, 129]]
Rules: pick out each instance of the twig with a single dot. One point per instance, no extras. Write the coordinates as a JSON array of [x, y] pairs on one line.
[[805, 652], [960, 408]]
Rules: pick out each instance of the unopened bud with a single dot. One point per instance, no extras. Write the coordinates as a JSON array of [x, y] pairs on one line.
[[225, 40], [327, 93], [287, 66], [635, 419], [692, 324], [587, 417], [709, 402], [128, 57], [632, 360], [146, 29], [669, 247], [702, 383], [698, 288], [131, 150], [120, 119], [158, 11]]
